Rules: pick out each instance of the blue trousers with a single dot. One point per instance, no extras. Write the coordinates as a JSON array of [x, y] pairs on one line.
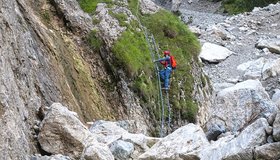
[[165, 75]]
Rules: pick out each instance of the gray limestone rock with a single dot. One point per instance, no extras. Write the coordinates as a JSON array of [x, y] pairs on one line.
[[97, 151], [53, 157], [276, 127], [121, 149], [238, 148], [61, 132], [74, 15], [109, 132], [241, 104], [252, 69], [269, 151], [273, 45], [148, 7], [214, 131], [182, 141]]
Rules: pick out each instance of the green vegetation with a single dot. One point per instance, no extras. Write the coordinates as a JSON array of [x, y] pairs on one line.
[[121, 17], [131, 53], [239, 6], [171, 34], [89, 6], [94, 41], [45, 15]]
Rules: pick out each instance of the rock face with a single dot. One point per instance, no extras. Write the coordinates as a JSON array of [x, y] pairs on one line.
[[61, 132], [214, 53], [241, 104], [268, 151], [273, 45], [276, 127], [108, 26], [185, 139], [77, 19]]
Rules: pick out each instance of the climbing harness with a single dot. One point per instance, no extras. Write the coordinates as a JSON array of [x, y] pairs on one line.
[[154, 51]]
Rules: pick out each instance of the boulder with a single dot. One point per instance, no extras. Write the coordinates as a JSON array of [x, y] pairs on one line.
[[268, 151], [184, 140], [148, 7], [214, 53], [220, 86], [77, 20], [276, 95], [252, 69], [235, 107], [97, 151], [220, 32], [197, 31], [61, 132], [276, 127], [271, 69], [239, 148], [121, 149], [175, 5], [109, 132], [214, 131], [276, 98], [273, 45]]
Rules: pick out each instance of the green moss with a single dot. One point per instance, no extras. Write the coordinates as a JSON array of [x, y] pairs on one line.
[[94, 41], [89, 6], [45, 15], [121, 17], [132, 53], [239, 6]]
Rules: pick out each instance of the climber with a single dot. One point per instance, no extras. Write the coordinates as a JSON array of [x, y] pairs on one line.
[[169, 63]]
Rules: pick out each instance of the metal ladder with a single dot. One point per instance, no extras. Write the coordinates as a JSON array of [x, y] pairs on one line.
[[154, 51]]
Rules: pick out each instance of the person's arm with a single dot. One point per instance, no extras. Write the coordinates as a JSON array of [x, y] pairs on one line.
[[163, 59]]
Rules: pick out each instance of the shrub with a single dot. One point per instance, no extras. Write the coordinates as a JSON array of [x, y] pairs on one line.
[[239, 6]]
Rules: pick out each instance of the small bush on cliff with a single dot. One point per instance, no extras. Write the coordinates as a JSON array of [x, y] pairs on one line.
[[239, 6], [89, 6]]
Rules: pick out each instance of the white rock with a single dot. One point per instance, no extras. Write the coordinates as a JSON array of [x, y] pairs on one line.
[[214, 53], [185, 139]]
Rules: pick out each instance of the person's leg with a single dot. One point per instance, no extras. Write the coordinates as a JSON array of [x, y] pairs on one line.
[[162, 74], [166, 78]]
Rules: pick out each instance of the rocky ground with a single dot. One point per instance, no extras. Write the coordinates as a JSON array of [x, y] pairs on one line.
[[238, 33]]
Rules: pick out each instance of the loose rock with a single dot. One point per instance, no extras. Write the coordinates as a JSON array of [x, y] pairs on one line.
[[214, 53]]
